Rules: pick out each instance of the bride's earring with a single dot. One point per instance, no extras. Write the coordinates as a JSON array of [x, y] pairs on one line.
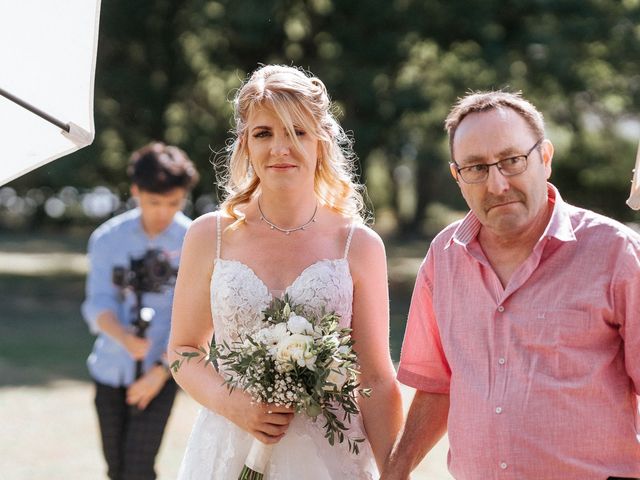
[[250, 171]]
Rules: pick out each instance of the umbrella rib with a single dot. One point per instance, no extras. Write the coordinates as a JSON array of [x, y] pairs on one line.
[[37, 111]]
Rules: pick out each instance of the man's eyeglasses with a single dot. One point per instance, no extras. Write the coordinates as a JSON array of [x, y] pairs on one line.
[[508, 167]]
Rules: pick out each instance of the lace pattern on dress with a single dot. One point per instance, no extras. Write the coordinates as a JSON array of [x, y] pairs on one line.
[[238, 298]]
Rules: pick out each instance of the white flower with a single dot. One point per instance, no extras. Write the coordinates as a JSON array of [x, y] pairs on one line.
[[263, 335], [298, 324], [333, 341], [338, 376], [296, 348], [278, 332], [271, 335]]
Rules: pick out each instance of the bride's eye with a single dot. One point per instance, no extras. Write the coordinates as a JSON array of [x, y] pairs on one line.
[[261, 134]]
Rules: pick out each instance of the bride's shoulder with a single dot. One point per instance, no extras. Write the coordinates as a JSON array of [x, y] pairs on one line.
[[204, 228], [203, 224], [209, 222], [364, 235], [366, 255], [365, 242]]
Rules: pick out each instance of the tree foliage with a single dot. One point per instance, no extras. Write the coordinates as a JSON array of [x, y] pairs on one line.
[[168, 68]]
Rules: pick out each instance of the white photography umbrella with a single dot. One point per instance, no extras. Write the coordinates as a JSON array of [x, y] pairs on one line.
[[47, 67], [634, 197]]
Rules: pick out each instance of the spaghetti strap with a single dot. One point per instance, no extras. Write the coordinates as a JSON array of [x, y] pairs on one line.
[[219, 235], [346, 247]]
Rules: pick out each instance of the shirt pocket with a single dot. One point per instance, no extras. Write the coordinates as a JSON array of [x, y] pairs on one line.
[[555, 343], [558, 327]]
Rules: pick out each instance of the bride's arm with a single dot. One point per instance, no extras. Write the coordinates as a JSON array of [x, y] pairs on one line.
[[382, 412], [192, 327]]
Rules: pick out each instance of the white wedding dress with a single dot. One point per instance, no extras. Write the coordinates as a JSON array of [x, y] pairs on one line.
[[217, 448]]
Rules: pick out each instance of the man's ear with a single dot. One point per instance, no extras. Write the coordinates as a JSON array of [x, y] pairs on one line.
[[546, 151], [135, 191], [454, 172]]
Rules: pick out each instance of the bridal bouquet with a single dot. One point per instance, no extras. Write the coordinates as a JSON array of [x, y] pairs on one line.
[[297, 360]]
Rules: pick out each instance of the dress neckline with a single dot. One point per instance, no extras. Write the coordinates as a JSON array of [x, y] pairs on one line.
[[293, 283]]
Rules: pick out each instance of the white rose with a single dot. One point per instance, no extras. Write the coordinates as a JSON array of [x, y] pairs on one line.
[[298, 324], [272, 335], [338, 376], [296, 348], [279, 331], [263, 335]]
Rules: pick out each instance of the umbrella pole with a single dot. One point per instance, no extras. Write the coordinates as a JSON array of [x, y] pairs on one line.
[[37, 111]]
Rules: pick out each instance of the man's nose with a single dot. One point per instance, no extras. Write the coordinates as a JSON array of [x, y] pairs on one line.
[[497, 183]]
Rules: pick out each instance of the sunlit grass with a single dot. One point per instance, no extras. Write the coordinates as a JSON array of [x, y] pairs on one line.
[[42, 329]]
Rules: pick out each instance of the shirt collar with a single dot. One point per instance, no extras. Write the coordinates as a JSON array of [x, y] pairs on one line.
[[559, 225]]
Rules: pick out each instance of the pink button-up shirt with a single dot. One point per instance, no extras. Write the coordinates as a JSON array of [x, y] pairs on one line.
[[543, 374]]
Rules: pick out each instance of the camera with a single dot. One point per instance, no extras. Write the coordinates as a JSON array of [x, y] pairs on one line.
[[149, 273]]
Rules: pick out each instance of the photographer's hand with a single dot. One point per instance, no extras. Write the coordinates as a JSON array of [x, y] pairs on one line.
[[142, 391], [136, 346]]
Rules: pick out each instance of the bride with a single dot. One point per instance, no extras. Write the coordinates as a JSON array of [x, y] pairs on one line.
[[291, 222]]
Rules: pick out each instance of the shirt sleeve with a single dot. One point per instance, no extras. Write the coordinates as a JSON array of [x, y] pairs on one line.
[[423, 364], [101, 294], [627, 311]]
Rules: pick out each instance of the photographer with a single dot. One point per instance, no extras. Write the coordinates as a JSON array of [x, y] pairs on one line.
[[139, 250]]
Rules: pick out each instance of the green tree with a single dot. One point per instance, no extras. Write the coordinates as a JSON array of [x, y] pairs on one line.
[[168, 68]]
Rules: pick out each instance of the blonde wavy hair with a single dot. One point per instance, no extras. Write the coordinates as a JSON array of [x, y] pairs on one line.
[[299, 100]]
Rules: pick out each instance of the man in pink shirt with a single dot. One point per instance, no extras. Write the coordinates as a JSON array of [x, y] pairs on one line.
[[523, 338]]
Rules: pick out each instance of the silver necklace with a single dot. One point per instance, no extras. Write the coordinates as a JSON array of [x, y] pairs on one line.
[[287, 231]]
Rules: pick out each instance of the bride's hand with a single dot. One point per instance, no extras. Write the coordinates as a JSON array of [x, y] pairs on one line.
[[265, 421]]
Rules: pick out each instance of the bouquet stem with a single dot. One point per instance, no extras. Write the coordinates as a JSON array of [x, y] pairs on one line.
[[256, 463]]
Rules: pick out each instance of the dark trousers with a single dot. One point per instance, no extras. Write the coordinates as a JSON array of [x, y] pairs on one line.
[[131, 440]]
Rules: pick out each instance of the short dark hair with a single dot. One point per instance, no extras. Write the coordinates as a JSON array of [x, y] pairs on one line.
[[159, 168]]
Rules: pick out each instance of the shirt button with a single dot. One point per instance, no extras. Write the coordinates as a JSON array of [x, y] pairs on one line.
[[503, 465], [501, 309], [501, 361], [498, 409]]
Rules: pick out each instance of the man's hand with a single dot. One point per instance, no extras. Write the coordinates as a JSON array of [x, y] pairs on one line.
[[394, 476], [136, 346], [142, 391], [426, 423], [393, 471]]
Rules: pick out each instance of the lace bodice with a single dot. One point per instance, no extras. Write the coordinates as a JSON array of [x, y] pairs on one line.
[[239, 296]]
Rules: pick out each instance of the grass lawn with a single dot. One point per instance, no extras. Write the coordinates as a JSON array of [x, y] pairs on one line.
[[42, 335]]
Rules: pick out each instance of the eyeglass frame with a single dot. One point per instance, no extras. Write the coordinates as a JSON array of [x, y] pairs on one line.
[[497, 165]]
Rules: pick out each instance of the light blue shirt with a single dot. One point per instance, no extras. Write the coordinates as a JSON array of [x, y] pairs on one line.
[[114, 244]]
